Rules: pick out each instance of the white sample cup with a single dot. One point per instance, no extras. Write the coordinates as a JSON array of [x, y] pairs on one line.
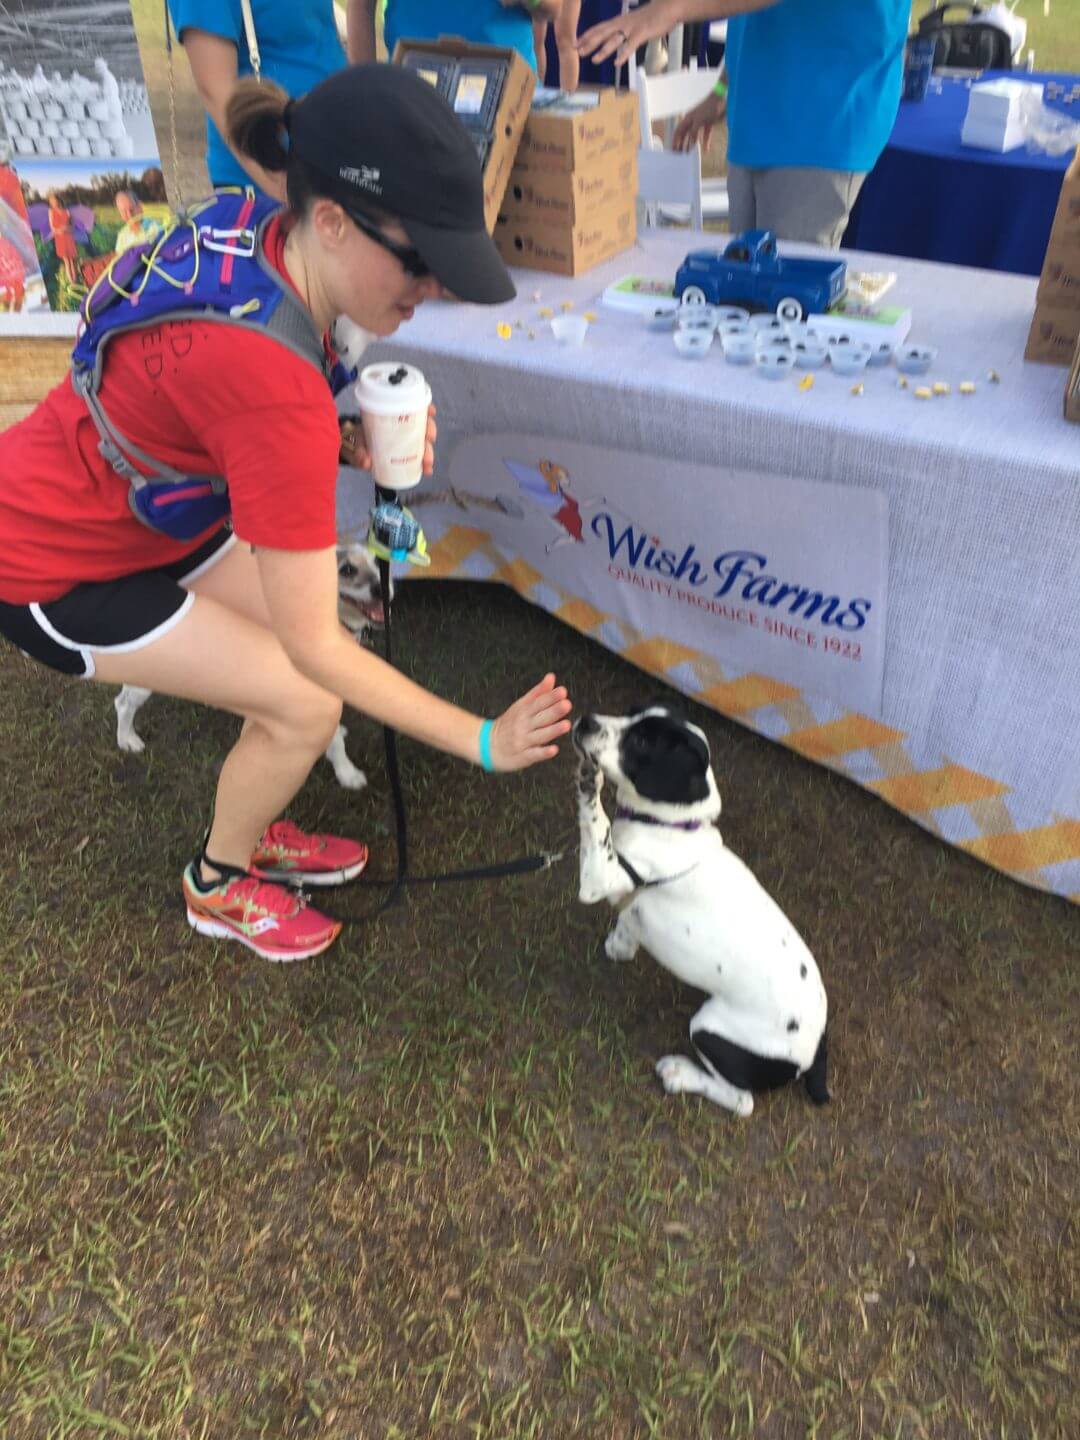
[[393, 402], [569, 329]]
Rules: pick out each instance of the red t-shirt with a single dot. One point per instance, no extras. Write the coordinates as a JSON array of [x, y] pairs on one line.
[[205, 397]]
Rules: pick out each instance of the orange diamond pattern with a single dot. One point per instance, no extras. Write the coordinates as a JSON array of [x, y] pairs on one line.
[[934, 789], [581, 615], [841, 737], [1025, 850], [747, 693], [519, 575], [658, 654], [455, 546]]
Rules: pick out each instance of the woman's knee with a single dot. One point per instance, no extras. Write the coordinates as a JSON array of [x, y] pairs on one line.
[[308, 717]]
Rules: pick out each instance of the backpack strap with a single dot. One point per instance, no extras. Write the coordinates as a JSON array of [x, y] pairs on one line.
[[119, 451]]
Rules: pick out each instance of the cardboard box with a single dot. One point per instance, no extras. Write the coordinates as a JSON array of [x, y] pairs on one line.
[[1060, 282], [565, 249], [1054, 333], [571, 142], [569, 196], [1072, 389], [1056, 326], [510, 116], [1064, 242]]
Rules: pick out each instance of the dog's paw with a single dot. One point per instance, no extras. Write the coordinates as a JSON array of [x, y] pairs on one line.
[[677, 1074], [618, 948], [131, 743], [680, 1076], [590, 777], [350, 777], [589, 894]]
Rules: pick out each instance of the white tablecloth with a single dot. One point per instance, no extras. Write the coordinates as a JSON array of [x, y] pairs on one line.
[[978, 738]]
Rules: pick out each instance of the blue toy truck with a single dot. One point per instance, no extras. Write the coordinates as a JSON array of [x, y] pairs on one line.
[[749, 272]]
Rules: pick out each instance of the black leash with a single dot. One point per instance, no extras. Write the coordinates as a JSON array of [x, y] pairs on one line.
[[527, 864]]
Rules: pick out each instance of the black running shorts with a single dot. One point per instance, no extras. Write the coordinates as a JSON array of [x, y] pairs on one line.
[[112, 615]]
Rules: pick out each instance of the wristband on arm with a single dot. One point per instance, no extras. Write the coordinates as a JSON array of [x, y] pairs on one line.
[[720, 89], [485, 744]]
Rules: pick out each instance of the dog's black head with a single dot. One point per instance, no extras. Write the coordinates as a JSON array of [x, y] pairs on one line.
[[657, 759], [664, 760]]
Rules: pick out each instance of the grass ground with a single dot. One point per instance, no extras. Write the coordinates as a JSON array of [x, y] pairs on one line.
[[427, 1185]]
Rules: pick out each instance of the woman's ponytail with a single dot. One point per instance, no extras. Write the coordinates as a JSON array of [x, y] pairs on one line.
[[255, 120]]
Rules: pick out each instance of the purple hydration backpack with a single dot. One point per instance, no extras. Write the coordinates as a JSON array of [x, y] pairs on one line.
[[208, 265]]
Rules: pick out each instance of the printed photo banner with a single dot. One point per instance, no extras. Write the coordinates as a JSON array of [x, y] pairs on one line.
[[80, 176], [783, 576]]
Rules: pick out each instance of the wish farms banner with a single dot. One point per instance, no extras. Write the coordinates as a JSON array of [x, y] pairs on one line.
[[762, 573]]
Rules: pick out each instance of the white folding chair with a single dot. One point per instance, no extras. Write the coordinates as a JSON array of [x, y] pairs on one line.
[[670, 186]]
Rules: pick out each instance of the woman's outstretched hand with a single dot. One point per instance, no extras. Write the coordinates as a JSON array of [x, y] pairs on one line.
[[526, 732]]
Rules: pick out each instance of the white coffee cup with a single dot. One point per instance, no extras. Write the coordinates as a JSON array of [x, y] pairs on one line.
[[393, 401]]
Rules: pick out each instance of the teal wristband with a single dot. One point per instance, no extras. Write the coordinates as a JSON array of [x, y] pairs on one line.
[[485, 744], [720, 89]]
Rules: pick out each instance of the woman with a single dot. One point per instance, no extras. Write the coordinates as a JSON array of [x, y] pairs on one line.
[[63, 237], [252, 627]]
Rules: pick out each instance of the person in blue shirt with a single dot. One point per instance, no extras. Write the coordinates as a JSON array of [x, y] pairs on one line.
[[811, 95], [298, 46], [484, 22]]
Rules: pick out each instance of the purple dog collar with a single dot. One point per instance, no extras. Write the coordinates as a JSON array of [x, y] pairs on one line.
[[623, 814]]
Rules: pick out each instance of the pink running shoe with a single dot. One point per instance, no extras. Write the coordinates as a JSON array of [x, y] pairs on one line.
[[286, 853], [273, 920]]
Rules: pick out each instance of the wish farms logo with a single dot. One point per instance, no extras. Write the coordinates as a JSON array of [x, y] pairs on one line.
[[734, 575], [736, 585]]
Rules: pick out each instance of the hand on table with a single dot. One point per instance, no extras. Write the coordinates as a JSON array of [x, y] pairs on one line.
[[697, 124], [354, 450], [525, 733]]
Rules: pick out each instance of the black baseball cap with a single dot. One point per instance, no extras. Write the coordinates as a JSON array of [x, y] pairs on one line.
[[383, 137]]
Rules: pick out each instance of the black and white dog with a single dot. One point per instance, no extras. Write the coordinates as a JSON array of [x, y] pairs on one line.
[[361, 610], [697, 909]]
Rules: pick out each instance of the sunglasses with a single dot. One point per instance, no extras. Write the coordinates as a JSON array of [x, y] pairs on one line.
[[410, 260]]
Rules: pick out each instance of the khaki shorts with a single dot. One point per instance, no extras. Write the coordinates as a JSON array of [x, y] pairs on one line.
[[794, 202]]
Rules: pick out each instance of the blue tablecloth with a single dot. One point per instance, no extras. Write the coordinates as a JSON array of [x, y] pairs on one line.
[[934, 199]]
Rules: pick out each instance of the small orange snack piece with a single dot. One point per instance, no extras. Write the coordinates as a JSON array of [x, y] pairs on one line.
[[806, 383], [545, 312], [940, 388], [590, 315], [923, 392], [567, 305], [858, 388], [503, 330], [967, 387]]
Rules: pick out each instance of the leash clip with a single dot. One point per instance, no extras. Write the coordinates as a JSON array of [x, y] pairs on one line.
[[551, 857]]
